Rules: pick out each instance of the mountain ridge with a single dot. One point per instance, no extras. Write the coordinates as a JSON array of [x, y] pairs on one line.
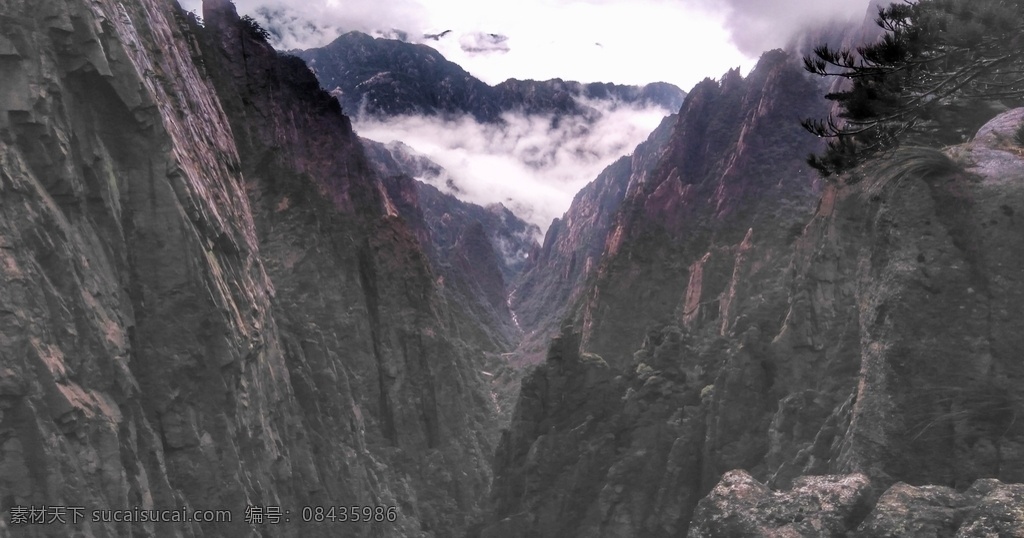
[[782, 366], [385, 77]]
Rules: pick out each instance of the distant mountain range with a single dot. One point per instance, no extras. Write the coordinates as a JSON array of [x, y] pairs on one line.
[[388, 77]]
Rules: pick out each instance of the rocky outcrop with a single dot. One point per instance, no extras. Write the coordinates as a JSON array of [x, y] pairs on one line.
[[843, 505], [388, 77], [823, 506], [592, 451], [829, 357], [987, 508], [206, 302]]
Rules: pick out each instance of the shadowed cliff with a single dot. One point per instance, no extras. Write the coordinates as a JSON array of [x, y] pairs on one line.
[[207, 299]]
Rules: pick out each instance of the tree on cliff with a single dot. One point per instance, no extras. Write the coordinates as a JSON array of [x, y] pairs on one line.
[[937, 72], [255, 29]]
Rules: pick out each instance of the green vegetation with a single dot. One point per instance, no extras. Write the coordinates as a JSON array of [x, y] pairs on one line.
[[593, 359], [941, 69], [255, 30]]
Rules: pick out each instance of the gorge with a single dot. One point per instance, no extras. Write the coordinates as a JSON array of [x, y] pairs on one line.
[[215, 296]]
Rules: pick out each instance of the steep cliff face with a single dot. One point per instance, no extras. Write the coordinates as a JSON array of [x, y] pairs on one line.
[[556, 275], [387, 77], [476, 252], [595, 451], [734, 167], [886, 361], [445, 216], [206, 301], [905, 296], [137, 315], [674, 259]]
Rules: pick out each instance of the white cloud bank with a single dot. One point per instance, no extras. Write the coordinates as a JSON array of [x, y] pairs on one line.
[[626, 42], [532, 164], [759, 25]]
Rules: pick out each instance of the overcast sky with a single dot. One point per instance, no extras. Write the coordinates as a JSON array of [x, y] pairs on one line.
[[621, 41]]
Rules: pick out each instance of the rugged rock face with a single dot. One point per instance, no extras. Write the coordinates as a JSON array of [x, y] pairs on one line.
[[387, 77], [831, 356], [373, 285], [866, 319], [512, 238], [733, 168], [206, 299], [645, 459], [842, 505], [556, 275], [592, 452], [476, 252], [823, 506]]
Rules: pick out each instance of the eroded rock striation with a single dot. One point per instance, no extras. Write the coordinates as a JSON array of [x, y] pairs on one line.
[[557, 274], [834, 353], [206, 299]]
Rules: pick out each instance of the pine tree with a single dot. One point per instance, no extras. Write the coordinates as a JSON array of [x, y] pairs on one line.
[[939, 69]]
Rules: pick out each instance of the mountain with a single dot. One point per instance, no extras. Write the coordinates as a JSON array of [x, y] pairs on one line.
[[386, 77], [760, 353], [512, 237], [734, 164], [610, 429], [207, 301], [478, 252], [557, 275], [215, 297]]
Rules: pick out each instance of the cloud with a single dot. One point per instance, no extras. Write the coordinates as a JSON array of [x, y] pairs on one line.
[[302, 24], [479, 42], [759, 25], [641, 41], [533, 164]]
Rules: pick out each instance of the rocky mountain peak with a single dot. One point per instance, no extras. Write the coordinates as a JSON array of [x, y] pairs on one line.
[[383, 77], [704, 430]]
